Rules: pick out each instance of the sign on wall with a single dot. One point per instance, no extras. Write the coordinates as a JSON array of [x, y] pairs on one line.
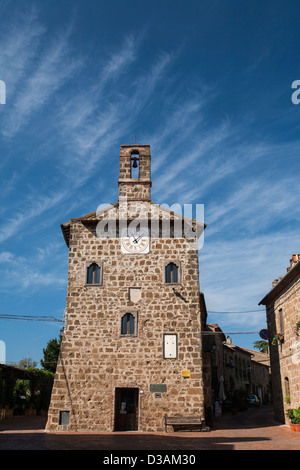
[[170, 346], [158, 388]]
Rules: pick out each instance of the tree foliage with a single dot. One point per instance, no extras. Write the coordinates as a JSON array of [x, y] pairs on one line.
[[51, 353], [25, 363], [261, 345]]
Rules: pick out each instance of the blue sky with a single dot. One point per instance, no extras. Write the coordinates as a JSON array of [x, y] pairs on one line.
[[206, 83]]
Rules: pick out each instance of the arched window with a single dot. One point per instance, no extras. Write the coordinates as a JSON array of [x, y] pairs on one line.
[[128, 326], [93, 274], [171, 273]]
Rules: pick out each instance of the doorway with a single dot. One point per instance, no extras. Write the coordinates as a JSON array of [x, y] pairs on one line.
[[126, 409]]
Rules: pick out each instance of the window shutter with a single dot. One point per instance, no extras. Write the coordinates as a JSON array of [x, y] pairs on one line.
[[97, 274], [168, 273], [131, 324], [124, 325], [175, 273], [90, 275]]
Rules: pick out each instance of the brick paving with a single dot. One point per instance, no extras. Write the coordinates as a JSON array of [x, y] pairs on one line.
[[254, 429]]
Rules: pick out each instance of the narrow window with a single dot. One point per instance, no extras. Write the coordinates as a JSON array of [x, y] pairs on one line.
[[281, 321], [93, 274], [171, 274], [128, 324], [287, 388]]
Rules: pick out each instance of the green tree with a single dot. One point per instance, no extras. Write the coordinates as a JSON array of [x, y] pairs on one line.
[[25, 363], [261, 345], [51, 354]]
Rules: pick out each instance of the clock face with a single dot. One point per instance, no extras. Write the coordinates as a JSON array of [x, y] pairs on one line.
[[135, 241]]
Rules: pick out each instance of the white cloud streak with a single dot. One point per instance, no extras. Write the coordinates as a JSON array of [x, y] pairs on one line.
[[31, 208], [52, 71], [19, 43]]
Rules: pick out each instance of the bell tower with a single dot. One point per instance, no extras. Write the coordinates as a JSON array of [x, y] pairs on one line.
[[131, 350], [135, 173]]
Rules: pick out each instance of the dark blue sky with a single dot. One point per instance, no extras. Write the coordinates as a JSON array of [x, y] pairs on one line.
[[206, 83]]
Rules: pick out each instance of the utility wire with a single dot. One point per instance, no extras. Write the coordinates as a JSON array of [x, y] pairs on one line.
[[230, 313], [30, 318], [230, 332]]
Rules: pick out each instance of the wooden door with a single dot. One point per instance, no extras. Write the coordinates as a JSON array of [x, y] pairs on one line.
[[126, 409]]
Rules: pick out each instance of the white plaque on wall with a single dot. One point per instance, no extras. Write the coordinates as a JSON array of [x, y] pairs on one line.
[[135, 294], [170, 346]]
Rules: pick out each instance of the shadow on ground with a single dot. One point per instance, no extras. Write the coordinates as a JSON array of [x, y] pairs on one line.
[[252, 429], [44, 441]]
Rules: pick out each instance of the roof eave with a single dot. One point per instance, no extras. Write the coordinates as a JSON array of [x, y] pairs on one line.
[[287, 278]]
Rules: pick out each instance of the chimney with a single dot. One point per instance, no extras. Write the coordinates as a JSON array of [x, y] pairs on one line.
[[293, 261], [274, 283], [228, 340]]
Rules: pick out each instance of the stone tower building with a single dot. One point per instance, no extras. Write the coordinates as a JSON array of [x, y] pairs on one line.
[[131, 351]]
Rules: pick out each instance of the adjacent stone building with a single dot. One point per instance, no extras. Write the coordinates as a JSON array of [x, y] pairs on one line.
[[259, 375], [233, 368], [283, 318], [131, 351]]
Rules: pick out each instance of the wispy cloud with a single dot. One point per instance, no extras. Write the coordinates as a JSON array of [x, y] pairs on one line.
[[31, 208], [88, 111], [243, 249], [118, 61], [236, 274], [19, 44], [40, 270], [99, 117], [42, 80], [85, 128], [6, 256], [256, 205], [193, 156], [189, 158]]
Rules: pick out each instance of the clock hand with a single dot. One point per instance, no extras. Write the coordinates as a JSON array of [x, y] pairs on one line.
[[134, 239]]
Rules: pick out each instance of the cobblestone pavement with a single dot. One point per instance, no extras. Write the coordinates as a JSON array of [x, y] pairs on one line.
[[254, 429]]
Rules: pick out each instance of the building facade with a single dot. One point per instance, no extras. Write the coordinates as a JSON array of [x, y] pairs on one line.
[[230, 368], [131, 351], [283, 315]]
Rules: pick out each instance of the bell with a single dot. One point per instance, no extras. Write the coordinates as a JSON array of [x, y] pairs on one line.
[[134, 165]]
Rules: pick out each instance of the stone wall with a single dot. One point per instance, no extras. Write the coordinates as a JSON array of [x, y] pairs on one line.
[[135, 189], [95, 358], [282, 316], [261, 381]]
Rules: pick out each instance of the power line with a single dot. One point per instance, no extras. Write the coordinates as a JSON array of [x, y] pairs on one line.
[[30, 318], [231, 313], [230, 332]]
